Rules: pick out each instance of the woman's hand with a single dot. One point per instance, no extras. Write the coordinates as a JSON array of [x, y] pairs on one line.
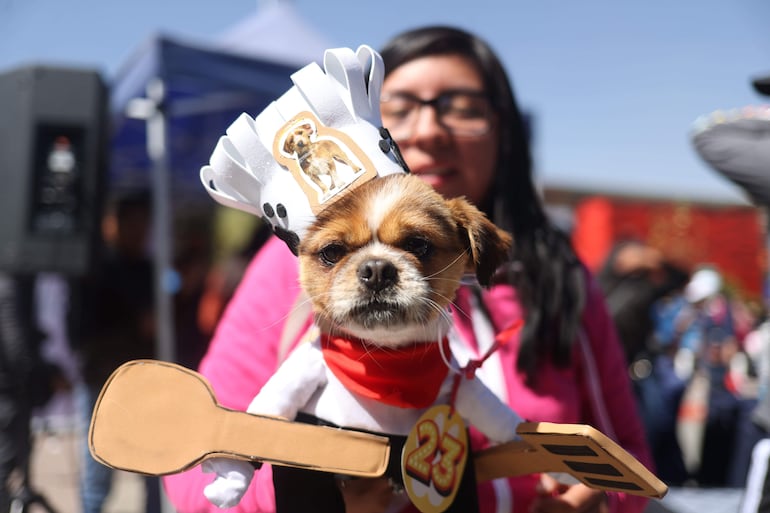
[[554, 497]]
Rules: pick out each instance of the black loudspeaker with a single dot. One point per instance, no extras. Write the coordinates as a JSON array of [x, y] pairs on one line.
[[53, 142]]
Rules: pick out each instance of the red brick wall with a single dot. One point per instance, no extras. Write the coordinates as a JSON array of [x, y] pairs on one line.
[[729, 237]]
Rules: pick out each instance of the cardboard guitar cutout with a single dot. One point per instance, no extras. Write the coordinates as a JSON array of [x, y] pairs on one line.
[[137, 428]]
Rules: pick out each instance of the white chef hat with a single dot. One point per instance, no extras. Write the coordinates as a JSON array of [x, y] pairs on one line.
[[258, 167]]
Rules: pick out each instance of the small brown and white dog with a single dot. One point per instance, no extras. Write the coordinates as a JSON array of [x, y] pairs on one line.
[[317, 158], [381, 266]]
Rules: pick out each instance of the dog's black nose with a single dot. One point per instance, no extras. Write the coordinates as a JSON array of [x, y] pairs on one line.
[[377, 274]]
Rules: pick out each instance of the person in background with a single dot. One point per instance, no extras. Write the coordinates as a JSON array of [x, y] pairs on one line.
[[663, 389], [711, 352], [756, 497], [114, 323], [191, 263], [736, 144], [447, 102], [223, 278], [27, 381], [710, 308], [634, 277]]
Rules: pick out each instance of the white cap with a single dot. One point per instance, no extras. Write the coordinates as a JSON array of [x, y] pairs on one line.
[[703, 284], [259, 169]]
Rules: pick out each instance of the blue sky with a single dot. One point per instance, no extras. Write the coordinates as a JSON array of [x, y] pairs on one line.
[[613, 85]]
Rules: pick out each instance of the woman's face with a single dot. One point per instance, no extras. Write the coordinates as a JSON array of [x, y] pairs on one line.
[[456, 151]]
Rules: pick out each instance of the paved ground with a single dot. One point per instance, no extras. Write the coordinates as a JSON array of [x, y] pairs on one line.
[[700, 500], [55, 471]]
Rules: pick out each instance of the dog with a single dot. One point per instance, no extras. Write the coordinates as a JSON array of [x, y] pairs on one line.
[[381, 265], [317, 158]]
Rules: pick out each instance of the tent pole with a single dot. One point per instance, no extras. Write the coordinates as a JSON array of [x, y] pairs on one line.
[[157, 139], [152, 110], [162, 230]]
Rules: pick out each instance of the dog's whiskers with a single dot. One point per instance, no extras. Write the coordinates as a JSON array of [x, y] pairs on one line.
[[450, 264], [302, 301]]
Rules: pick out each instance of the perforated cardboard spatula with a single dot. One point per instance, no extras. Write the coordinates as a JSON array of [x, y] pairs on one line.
[[576, 449], [159, 418]]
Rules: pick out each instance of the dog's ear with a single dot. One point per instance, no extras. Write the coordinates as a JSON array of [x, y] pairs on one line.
[[288, 143], [488, 246]]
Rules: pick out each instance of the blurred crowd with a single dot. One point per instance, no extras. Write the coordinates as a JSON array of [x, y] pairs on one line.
[[698, 354]]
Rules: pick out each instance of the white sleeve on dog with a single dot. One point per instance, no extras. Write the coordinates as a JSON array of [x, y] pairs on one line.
[[293, 384], [479, 406], [283, 395]]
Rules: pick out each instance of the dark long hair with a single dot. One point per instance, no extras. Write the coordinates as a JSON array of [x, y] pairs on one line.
[[548, 277]]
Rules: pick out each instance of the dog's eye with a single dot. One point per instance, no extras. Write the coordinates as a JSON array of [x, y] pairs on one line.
[[417, 246], [332, 253]]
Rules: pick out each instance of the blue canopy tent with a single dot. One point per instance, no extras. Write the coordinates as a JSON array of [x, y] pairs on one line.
[[204, 91], [171, 102], [205, 88]]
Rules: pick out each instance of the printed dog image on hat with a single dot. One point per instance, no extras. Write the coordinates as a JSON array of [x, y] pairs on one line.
[[318, 152]]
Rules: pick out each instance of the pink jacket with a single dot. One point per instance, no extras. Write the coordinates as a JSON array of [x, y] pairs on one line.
[[595, 390]]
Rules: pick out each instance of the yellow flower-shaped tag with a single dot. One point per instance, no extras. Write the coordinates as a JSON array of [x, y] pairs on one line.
[[434, 459]]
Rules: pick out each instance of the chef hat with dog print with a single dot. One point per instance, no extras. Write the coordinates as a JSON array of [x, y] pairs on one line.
[[321, 138]]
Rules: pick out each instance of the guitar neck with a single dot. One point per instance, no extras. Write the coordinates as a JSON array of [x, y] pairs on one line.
[[281, 442]]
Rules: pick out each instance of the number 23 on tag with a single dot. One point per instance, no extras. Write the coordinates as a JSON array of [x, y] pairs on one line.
[[434, 458]]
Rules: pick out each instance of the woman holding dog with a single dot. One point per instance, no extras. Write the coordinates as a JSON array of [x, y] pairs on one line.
[[448, 104]]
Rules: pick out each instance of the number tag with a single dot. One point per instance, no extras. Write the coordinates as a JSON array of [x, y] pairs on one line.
[[434, 459]]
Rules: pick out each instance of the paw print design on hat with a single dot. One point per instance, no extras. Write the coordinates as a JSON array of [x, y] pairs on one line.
[[321, 138]]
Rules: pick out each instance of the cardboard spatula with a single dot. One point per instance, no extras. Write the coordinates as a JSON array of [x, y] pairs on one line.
[[159, 418], [575, 449]]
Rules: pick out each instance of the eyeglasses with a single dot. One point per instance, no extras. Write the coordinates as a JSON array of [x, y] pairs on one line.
[[463, 113]]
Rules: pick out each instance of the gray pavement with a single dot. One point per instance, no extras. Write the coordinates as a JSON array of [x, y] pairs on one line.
[[55, 468]]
